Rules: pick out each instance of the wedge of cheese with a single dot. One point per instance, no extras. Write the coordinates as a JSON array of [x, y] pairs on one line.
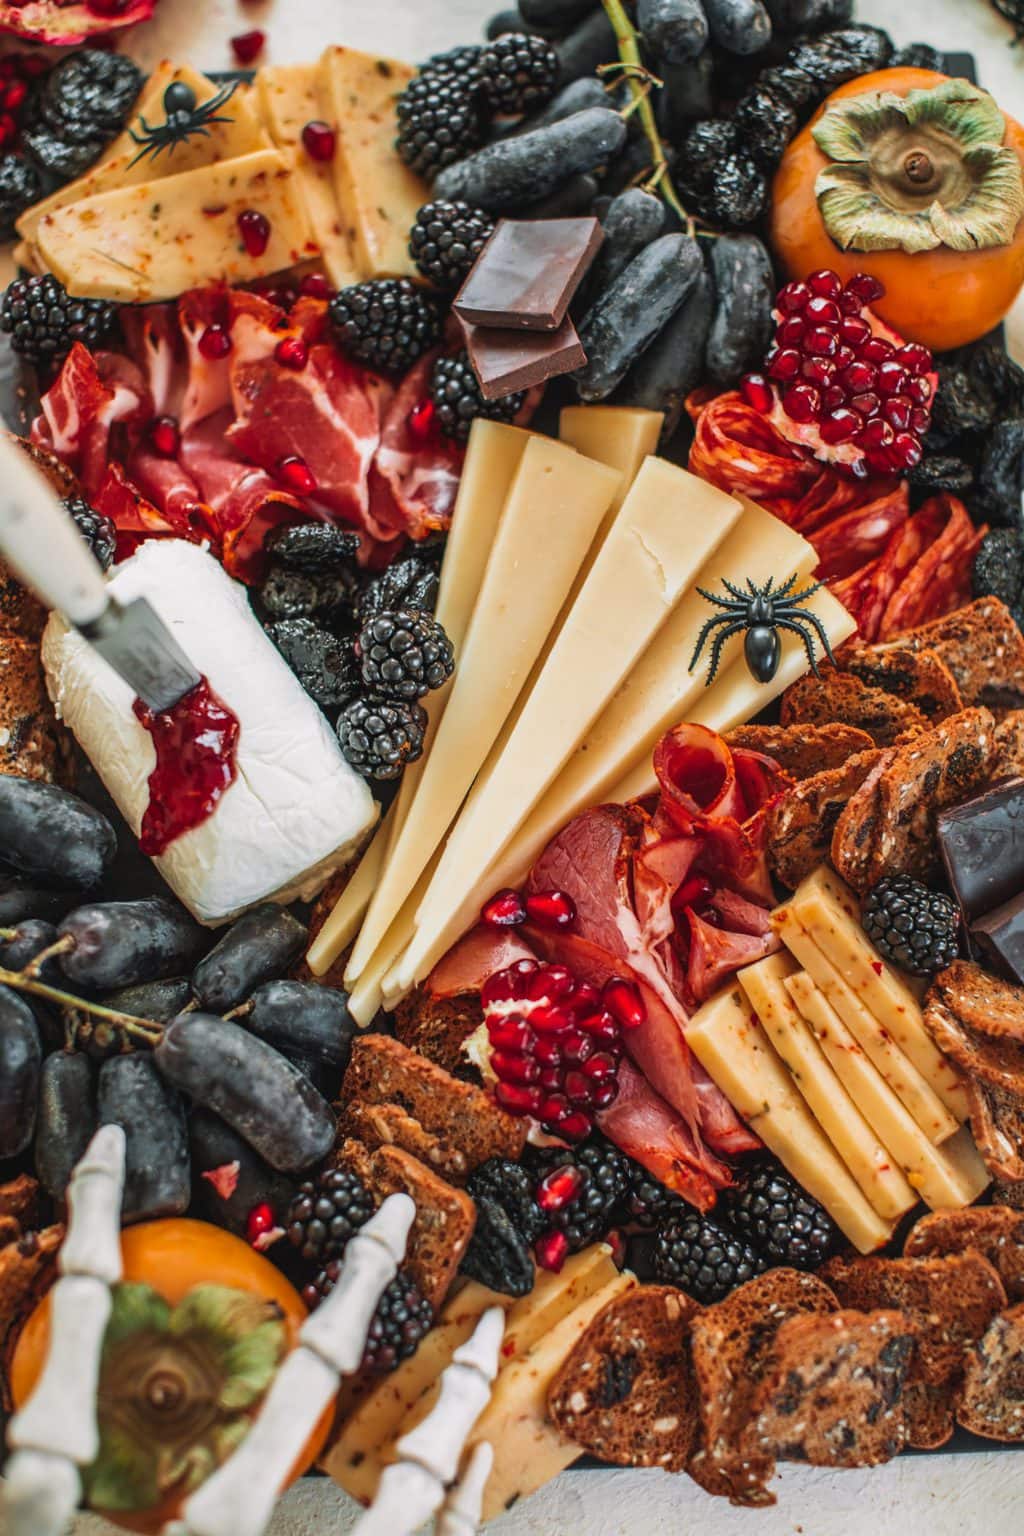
[[828, 911], [144, 243], [493, 457], [120, 166], [366, 996], [379, 194], [868, 1160], [621, 436], [288, 96], [528, 1450], [347, 914], [667, 528], [734, 1050], [937, 1175]]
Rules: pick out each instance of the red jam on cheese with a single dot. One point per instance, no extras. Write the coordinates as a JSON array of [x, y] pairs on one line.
[[196, 742]]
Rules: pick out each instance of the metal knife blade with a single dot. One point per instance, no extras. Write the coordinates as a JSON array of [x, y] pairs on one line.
[[134, 640]]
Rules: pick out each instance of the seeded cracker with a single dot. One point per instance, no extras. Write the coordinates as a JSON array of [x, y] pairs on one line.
[[841, 696], [921, 676], [802, 821], [803, 751], [992, 1400], [996, 1231]]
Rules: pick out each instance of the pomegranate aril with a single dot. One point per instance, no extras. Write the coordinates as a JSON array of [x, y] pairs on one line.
[[516, 1099], [514, 1069], [292, 353], [318, 140], [15, 94], [819, 370], [623, 1001], [551, 983], [550, 1078], [576, 1126], [849, 303], [559, 1188], [576, 1047], [259, 1221], [214, 343], [553, 1108], [511, 1033], [757, 392], [600, 1067], [822, 311], [601, 1025], [297, 475], [866, 288], [833, 399], [508, 983], [315, 286], [604, 1094], [165, 436], [866, 405], [920, 390], [913, 356], [791, 332], [693, 892], [579, 1089], [551, 909], [858, 378], [254, 228], [854, 330], [550, 1021], [794, 298], [877, 350], [898, 412], [585, 996], [825, 284], [892, 379], [248, 46], [551, 1251], [841, 426], [920, 421], [547, 1050], [822, 341], [879, 462], [878, 434], [802, 403], [785, 365], [505, 910], [421, 420], [906, 451], [844, 358]]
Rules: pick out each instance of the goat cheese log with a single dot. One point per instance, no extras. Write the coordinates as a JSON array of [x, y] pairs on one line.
[[295, 812]]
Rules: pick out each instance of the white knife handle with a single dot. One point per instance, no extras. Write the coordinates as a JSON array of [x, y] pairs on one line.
[[41, 544]]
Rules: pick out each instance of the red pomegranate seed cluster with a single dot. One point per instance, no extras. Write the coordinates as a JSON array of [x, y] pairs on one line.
[[259, 1222], [215, 343], [548, 909], [556, 1043], [318, 140], [254, 228], [292, 353], [248, 46], [835, 374], [165, 436]]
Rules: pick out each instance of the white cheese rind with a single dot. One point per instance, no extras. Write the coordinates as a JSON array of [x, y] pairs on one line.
[[295, 811]]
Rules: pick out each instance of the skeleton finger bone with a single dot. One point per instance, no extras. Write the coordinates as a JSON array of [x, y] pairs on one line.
[[462, 1509]]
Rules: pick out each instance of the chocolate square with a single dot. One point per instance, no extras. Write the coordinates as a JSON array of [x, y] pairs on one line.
[[504, 361], [527, 273], [982, 843], [1000, 938]]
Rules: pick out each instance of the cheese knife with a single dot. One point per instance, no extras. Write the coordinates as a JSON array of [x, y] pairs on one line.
[[44, 548]]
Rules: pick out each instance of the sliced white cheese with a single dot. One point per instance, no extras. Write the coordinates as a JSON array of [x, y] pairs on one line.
[[493, 457], [296, 810], [288, 97], [930, 1170], [830, 914], [734, 1050], [868, 1160], [379, 194], [154, 241], [667, 528], [348, 912], [366, 995], [620, 436]]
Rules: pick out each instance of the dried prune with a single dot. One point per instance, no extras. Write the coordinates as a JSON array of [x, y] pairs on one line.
[[324, 664], [835, 57], [942, 472], [998, 569], [703, 150], [498, 1256], [739, 192], [1001, 475], [766, 124]]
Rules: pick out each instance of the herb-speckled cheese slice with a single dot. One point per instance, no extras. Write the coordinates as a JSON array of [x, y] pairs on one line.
[[380, 195], [155, 241]]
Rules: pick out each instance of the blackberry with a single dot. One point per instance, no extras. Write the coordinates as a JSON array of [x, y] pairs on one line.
[[594, 1209], [766, 123], [387, 322], [520, 73], [458, 401], [328, 595], [440, 116], [778, 1217], [703, 1257], [323, 663], [998, 569], [498, 1255], [379, 736], [84, 103], [326, 1212], [20, 187], [411, 581], [312, 546], [446, 240], [402, 1320], [739, 193], [648, 1203], [511, 1186], [914, 927], [97, 530], [404, 654], [44, 322]]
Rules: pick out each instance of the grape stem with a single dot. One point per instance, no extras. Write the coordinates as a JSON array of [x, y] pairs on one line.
[[27, 980], [639, 79]]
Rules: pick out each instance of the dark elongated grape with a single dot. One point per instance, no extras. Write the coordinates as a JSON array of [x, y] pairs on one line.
[[30, 939], [556, 14], [574, 97], [633, 220], [506, 21], [17, 902], [300, 1016], [160, 1001], [51, 836], [259, 946], [586, 47], [575, 196], [631, 312], [739, 26], [742, 326], [809, 15], [21, 1060], [229, 1201], [67, 1118], [687, 95], [674, 29], [525, 168], [326, 1080], [133, 1095], [673, 364], [251, 1086], [118, 943]]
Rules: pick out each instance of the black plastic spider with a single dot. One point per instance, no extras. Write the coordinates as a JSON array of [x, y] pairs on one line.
[[184, 119], [762, 612]]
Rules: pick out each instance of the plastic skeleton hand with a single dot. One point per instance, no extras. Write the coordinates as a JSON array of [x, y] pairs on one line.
[[415, 1487], [56, 1432]]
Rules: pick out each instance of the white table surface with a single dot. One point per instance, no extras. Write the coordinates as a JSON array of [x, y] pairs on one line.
[[940, 1495]]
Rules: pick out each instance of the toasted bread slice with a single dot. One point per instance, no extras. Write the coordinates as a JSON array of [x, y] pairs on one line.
[[626, 1392], [949, 1301], [919, 677], [983, 649], [801, 822], [1009, 761], [445, 1216], [992, 1398], [26, 1271], [841, 696], [803, 751], [996, 1231], [832, 1391], [388, 1125], [889, 825], [19, 1198], [437, 1027], [731, 1343]]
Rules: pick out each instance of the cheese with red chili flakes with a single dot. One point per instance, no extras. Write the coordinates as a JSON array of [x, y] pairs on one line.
[[140, 244]]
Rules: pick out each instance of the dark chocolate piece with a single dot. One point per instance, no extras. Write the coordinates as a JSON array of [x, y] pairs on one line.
[[504, 361], [1000, 938], [982, 844], [527, 273]]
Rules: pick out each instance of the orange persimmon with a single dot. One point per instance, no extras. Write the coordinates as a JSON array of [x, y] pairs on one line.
[[943, 298], [174, 1256]]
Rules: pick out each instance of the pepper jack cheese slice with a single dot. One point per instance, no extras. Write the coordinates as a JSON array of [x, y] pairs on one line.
[[734, 1050], [937, 1177], [379, 194], [669, 525], [141, 244], [860, 1149], [289, 96]]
